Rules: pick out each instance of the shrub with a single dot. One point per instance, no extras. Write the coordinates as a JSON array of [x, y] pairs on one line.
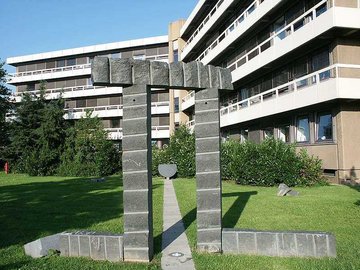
[[269, 163]]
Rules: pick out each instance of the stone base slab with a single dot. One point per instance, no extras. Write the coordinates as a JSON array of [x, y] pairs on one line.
[[97, 246], [278, 243]]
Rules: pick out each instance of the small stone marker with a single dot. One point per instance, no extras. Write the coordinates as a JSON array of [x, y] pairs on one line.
[[167, 170], [284, 190], [40, 247]]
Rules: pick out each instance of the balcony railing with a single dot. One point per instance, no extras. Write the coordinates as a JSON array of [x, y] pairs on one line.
[[237, 22], [190, 124], [51, 70], [293, 86], [97, 108], [160, 104], [207, 18], [281, 34], [59, 90], [188, 96]]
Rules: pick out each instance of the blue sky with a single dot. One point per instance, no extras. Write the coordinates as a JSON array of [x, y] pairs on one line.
[[34, 26]]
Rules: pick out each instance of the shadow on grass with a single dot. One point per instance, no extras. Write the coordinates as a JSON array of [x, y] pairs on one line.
[[175, 231], [32, 210], [232, 216]]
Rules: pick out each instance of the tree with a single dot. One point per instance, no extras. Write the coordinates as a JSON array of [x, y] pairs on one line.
[[87, 150], [5, 106]]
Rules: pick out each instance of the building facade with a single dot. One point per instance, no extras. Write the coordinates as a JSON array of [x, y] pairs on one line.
[[296, 70], [69, 72], [295, 67]]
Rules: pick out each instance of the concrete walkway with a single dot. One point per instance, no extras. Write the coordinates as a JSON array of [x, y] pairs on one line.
[[174, 239]]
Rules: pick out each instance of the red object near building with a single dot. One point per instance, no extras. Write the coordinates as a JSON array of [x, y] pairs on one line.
[[6, 167]]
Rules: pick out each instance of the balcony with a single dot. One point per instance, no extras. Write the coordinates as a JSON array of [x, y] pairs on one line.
[[160, 132], [188, 101], [74, 92], [305, 28], [47, 74], [191, 125], [162, 107], [321, 86], [157, 132], [113, 110], [255, 11]]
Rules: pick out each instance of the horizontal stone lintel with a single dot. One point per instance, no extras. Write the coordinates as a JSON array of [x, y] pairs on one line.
[[127, 72], [279, 243]]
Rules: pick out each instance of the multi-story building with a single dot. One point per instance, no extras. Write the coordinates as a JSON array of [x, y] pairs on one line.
[[69, 72], [295, 67], [296, 70]]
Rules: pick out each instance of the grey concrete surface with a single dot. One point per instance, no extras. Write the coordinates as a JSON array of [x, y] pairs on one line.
[[174, 239]]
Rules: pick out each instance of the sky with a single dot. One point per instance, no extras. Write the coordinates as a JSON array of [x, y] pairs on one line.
[[35, 26]]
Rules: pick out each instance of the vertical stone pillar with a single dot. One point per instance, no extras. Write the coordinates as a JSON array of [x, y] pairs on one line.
[[208, 175], [138, 231]]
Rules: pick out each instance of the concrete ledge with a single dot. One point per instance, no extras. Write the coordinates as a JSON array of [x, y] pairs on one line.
[[97, 246], [278, 243]]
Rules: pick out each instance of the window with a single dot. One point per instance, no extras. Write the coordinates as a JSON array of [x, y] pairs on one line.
[[115, 123], [244, 135], [176, 104], [284, 133], [31, 87], [115, 55], [268, 133], [60, 63], [139, 57], [176, 56], [71, 62], [320, 60], [324, 127], [302, 129]]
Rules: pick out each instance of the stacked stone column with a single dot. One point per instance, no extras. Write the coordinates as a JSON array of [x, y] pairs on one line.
[[138, 238], [208, 176]]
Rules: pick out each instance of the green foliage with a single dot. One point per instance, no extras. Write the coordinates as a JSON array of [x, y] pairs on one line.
[[181, 151], [87, 150], [269, 163], [159, 156]]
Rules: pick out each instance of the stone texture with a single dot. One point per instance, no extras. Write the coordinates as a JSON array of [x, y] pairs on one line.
[[100, 72], [97, 247], [141, 72], [207, 116], [293, 193], [137, 111], [207, 130], [203, 75], [191, 75], [137, 180], [74, 246], [84, 249], [176, 75], [137, 255], [159, 74], [213, 77], [136, 201], [136, 222], [208, 219], [225, 79], [283, 190], [206, 105], [167, 170], [208, 180], [283, 244], [135, 126], [135, 161], [134, 143], [41, 247], [120, 72], [203, 201], [136, 240], [64, 244], [208, 145], [114, 249], [134, 99], [208, 162], [207, 93]]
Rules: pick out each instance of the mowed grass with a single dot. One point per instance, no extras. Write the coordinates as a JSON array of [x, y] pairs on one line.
[[34, 207], [334, 209]]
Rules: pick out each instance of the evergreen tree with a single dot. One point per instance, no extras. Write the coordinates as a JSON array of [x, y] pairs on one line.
[[5, 106], [87, 151]]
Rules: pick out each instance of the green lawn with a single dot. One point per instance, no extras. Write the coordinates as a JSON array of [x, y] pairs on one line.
[[334, 209], [33, 207]]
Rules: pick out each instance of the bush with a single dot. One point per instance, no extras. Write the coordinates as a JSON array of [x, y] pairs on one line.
[[270, 163], [181, 151]]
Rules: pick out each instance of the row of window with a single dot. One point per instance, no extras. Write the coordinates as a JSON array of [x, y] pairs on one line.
[[302, 131], [295, 11], [117, 122], [296, 69], [147, 53], [108, 101]]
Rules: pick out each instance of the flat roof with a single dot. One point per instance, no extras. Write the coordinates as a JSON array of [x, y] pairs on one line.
[[88, 49]]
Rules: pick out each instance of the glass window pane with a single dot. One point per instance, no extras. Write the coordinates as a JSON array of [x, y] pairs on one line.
[[302, 129], [176, 105], [284, 133], [320, 60], [324, 124], [60, 63], [71, 62]]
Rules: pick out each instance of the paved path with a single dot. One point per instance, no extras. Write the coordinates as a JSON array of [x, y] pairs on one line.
[[174, 237]]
